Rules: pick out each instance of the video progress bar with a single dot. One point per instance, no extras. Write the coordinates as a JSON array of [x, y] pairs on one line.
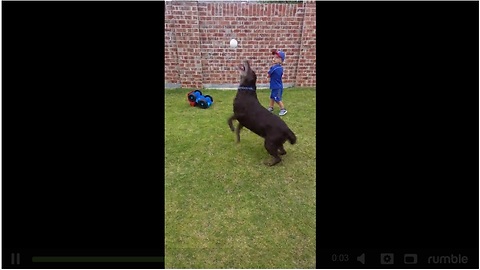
[[90, 259]]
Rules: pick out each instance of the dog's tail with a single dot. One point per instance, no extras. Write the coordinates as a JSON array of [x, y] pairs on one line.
[[291, 137]]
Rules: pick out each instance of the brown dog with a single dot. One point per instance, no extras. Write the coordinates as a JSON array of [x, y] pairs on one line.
[[249, 113]]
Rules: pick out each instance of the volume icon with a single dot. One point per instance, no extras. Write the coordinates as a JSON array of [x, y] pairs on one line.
[[361, 258]]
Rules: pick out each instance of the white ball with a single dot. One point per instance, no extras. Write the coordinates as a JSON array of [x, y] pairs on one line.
[[233, 43]]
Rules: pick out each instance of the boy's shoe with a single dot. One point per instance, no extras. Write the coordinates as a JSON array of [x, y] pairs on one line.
[[270, 109], [282, 112]]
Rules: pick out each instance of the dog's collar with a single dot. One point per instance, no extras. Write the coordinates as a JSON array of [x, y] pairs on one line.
[[246, 88]]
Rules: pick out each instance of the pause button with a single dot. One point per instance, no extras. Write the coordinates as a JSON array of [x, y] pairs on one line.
[[15, 258]]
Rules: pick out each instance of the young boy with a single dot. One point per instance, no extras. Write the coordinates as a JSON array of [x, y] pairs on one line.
[[276, 85]]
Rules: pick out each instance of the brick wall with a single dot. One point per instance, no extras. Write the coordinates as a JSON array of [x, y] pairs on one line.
[[197, 41]]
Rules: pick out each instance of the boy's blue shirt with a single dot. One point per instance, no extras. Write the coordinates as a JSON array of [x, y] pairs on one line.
[[275, 73]]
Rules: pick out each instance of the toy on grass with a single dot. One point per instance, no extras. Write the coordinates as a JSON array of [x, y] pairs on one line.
[[205, 102], [195, 98], [192, 97]]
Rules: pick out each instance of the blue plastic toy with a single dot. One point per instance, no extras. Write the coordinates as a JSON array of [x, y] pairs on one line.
[[195, 98]]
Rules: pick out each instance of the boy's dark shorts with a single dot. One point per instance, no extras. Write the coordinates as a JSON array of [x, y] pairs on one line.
[[276, 94]]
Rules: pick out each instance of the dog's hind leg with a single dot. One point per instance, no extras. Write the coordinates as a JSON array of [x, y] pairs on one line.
[[272, 149], [230, 123], [239, 127], [281, 150]]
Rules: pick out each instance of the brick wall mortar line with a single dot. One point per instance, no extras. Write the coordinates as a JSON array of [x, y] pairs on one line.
[[300, 54], [200, 48]]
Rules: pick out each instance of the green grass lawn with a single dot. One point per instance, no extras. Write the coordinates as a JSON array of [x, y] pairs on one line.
[[223, 207]]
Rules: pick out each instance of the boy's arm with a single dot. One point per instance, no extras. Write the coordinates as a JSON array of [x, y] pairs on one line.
[[270, 71]]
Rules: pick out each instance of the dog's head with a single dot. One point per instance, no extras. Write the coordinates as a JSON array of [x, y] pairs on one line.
[[248, 78]]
